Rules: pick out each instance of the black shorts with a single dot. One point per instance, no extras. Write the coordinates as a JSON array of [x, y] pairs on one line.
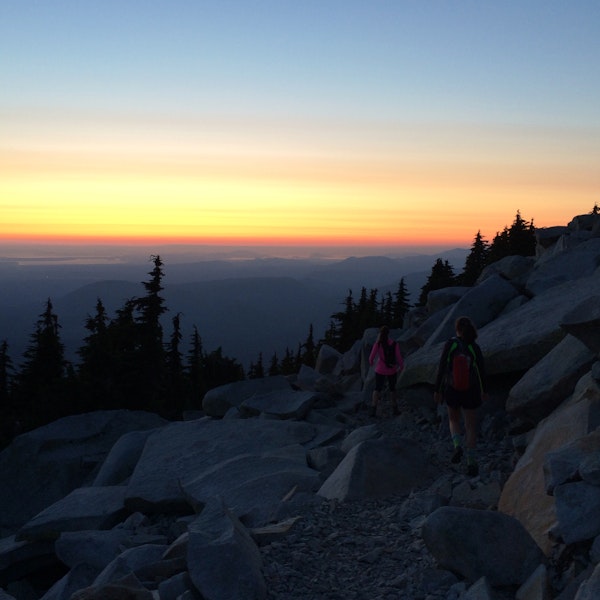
[[381, 379], [470, 400]]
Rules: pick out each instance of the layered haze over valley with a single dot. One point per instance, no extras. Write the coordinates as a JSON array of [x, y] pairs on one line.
[[244, 300]]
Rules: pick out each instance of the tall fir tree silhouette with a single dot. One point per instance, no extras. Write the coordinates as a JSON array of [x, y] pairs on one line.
[[96, 366], [441, 276], [150, 354], [476, 261], [401, 305], [41, 393]]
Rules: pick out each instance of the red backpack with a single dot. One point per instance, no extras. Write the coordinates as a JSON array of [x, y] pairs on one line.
[[462, 365]]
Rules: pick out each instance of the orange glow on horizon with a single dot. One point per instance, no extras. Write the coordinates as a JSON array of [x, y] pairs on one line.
[[412, 187], [264, 241]]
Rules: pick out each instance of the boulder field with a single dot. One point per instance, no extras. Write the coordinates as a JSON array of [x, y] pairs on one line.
[[284, 487]]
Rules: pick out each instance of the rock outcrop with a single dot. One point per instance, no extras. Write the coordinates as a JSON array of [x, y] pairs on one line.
[[285, 487]]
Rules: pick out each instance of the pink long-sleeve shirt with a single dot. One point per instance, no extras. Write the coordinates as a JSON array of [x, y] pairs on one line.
[[380, 366]]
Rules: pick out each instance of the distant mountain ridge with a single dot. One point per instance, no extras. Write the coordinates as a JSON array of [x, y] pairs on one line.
[[246, 307]]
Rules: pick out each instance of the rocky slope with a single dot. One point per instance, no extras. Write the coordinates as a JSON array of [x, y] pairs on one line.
[[286, 488]]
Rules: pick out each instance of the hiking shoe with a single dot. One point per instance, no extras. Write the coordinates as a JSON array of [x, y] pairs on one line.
[[456, 455], [473, 470]]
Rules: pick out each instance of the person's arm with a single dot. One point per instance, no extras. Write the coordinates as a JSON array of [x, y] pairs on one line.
[[481, 369], [441, 372]]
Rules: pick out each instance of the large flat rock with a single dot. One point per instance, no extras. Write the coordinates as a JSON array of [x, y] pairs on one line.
[[516, 340], [82, 509], [44, 465], [182, 451]]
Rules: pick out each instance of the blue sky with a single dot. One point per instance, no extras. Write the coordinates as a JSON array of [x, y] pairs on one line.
[[426, 61], [506, 84]]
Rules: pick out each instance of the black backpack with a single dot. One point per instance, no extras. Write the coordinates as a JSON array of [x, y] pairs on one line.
[[389, 354]]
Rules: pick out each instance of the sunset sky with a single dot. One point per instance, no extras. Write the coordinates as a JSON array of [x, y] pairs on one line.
[[315, 122]]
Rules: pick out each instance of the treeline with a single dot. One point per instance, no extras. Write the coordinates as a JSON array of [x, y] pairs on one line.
[[345, 327], [373, 309], [127, 361], [516, 240]]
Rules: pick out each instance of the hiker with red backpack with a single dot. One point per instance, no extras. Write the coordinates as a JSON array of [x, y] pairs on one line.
[[460, 383], [388, 361]]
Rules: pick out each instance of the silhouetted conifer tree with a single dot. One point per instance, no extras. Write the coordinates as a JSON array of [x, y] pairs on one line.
[[6, 373], [341, 334], [401, 305], [442, 276], [387, 309], [521, 237], [175, 388], [41, 392], [500, 246], [196, 371], [95, 370], [257, 371], [368, 312], [221, 369], [274, 367], [288, 363], [9, 419], [475, 262], [150, 356], [124, 370], [309, 354], [516, 240], [331, 336]]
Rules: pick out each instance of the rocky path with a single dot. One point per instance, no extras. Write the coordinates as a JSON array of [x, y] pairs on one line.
[[372, 549]]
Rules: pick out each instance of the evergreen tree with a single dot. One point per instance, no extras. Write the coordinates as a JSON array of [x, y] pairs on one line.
[[257, 370], [175, 392], [361, 310], [500, 246], [596, 209], [6, 370], [150, 354], [521, 236], [401, 305], [442, 276], [387, 309], [475, 261], [125, 373], [346, 325], [516, 240], [196, 371], [288, 363], [331, 336], [309, 355], [41, 383], [368, 313], [274, 367], [97, 362], [221, 369], [8, 418]]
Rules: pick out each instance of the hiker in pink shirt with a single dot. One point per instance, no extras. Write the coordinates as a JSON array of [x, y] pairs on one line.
[[388, 361]]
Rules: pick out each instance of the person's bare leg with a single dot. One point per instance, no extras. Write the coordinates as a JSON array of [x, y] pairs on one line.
[[470, 428], [454, 417]]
